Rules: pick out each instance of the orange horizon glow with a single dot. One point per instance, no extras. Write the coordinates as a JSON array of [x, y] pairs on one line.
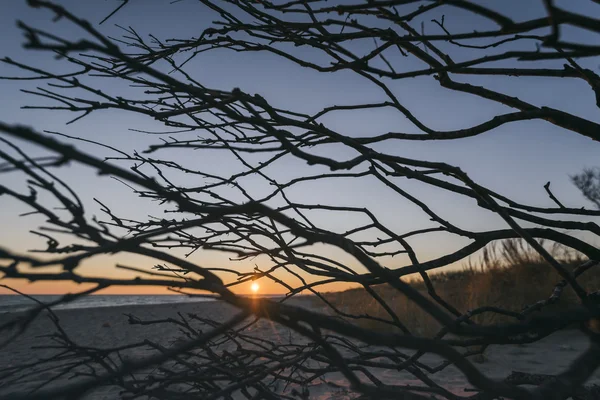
[[266, 287]]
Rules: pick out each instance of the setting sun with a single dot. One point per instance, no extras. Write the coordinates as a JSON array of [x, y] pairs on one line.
[[254, 287]]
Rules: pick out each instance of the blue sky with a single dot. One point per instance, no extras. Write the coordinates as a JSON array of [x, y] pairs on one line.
[[516, 159]]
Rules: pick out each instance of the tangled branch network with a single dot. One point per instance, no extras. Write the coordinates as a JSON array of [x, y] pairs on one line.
[[262, 210]]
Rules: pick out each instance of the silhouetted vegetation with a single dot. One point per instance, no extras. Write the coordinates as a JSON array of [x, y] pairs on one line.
[[506, 276], [588, 182], [236, 174]]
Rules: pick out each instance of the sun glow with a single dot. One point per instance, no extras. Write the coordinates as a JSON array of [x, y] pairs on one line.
[[254, 287]]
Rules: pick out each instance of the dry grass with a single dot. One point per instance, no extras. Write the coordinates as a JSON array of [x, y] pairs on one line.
[[509, 276]]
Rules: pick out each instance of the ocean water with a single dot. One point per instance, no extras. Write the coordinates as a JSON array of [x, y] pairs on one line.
[[13, 303]]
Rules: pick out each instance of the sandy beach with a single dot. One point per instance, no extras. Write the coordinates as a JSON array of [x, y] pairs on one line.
[[109, 327]]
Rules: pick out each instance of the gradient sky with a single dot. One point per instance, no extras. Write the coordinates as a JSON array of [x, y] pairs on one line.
[[515, 160]]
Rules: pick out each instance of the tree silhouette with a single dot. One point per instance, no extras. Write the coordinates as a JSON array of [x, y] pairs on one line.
[[588, 182], [280, 226]]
